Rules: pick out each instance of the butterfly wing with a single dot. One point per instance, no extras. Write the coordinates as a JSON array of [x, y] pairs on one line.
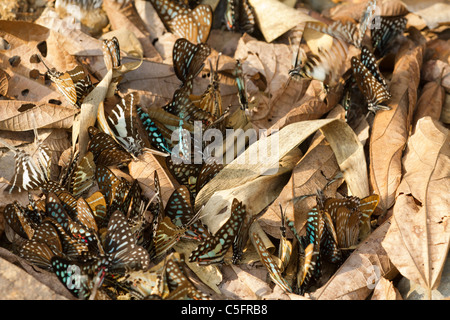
[[111, 53], [270, 264], [122, 121], [121, 247], [374, 92], [213, 249]]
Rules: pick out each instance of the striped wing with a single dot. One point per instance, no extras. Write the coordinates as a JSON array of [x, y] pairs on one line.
[[270, 264], [213, 249], [122, 121], [374, 92]]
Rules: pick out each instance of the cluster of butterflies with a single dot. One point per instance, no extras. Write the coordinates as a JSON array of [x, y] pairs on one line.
[[328, 65], [332, 231], [106, 239]]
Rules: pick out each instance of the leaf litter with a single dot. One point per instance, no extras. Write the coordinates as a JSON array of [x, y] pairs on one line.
[[326, 142]]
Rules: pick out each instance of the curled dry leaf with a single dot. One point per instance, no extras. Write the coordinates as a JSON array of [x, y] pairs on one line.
[[391, 128], [418, 241], [312, 172], [4, 83], [350, 156], [88, 114]]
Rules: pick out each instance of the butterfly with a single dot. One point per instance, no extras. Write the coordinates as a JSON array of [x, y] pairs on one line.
[[369, 81], [194, 25], [73, 226], [37, 253], [241, 238], [179, 209], [81, 278], [188, 58], [106, 150], [270, 264], [327, 66], [382, 37], [17, 218], [121, 248], [348, 215], [84, 175], [111, 53], [44, 245], [155, 136], [122, 121], [114, 189], [285, 248], [166, 235], [74, 84], [240, 83], [211, 100], [240, 15], [30, 173], [213, 249], [97, 203], [71, 247], [180, 286], [182, 106]]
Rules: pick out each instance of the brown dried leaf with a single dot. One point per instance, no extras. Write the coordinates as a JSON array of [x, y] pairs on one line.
[[23, 116], [430, 102], [359, 274], [390, 128], [311, 173], [266, 67], [434, 12], [4, 83], [385, 290], [143, 170], [126, 17], [419, 238], [274, 18]]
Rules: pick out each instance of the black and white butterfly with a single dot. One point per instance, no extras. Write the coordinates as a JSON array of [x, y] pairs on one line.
[[389, 29], [327, 66], [240, 16], [369, 80], [122, 121]]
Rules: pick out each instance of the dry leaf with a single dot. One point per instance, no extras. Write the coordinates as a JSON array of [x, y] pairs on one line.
[[274, 18], [23, 116], [434, 12], [126, 17], [418, 240], [359, 274], [390, 128], [430, 102], [385, 290], [311, 173], [144, 169]]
